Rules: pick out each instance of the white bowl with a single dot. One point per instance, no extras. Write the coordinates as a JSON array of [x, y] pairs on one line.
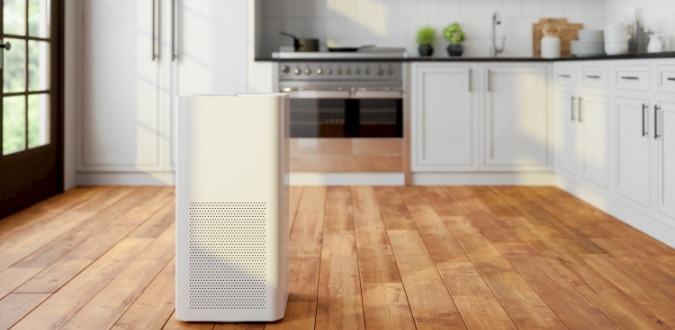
[[616, 49]]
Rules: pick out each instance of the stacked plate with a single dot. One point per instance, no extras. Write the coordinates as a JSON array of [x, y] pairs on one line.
[[589, 43], [616, 39]]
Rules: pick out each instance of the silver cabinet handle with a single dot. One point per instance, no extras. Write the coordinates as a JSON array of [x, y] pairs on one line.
[[572, 108], [564, 76], [644, 122], [156, 21], [657, 108], [489, 82], [630, 78], [175, 9], [593, 77], [579, 109], [669, 78], [469, 78]]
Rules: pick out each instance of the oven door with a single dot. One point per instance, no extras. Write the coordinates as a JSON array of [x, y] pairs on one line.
[[346, 113]]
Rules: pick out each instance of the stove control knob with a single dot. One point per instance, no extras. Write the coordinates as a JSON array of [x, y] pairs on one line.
[[296, 71], [319, 71], [349, 71], [367, 71], [329, 71], [285, 69], [391, 71], [380, 72], [339, 71], [358, 71], [308, 71]]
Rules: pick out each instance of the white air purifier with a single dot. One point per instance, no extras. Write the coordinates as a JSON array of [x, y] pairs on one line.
[[232, 208]]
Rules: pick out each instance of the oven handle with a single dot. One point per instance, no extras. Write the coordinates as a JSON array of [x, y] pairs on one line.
[[377, 93], [317, 93]]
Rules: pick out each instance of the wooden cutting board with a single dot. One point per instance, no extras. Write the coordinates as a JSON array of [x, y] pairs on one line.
[[568, 32]]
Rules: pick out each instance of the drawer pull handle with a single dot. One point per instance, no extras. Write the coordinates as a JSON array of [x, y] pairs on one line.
[[671, 78], [644, 115], [564, 76], [657, 108], [630, 77], [593, 77]]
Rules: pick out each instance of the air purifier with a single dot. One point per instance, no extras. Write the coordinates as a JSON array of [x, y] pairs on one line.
[[232, 208]]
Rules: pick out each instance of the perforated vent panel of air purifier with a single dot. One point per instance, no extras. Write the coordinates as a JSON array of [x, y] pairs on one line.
[[228, 255]]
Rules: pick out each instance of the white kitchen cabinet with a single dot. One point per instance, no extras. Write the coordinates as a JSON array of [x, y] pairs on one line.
[[593, 138], [665, 139], [633, 149], [133, 71], [443, 120], [582, 122], [516, 117]]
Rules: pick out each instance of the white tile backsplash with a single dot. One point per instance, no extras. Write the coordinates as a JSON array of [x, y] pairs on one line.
[[395, 22]]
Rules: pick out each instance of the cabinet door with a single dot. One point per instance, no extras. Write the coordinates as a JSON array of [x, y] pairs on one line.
[[120, 120], [594, 136], [516, 123], [566, 145], [666, 159], [633, 165], [442, 117]]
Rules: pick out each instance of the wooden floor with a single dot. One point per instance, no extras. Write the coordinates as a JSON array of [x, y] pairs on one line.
[[361, 257]]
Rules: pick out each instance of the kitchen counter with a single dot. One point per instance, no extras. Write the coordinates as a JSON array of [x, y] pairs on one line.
[[478, 59]]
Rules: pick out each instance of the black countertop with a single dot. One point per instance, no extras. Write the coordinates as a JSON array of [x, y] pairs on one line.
[[477, 59]]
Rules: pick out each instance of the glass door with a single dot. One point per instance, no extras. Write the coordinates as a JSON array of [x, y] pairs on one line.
[[31, 162]]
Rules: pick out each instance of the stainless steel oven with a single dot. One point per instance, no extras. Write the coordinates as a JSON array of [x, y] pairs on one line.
[[347, 115]]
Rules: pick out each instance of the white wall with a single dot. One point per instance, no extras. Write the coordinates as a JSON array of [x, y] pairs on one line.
[[395, 22]]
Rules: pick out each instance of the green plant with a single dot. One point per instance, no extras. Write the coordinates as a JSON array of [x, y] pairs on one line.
[[426, 35], [454, 33]]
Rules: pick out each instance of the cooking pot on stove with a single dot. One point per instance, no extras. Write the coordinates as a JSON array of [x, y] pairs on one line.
[[303, 44]]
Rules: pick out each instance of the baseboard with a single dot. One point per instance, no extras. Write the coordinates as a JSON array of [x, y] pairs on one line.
[[482, 179], [125, 179], [645, 223]]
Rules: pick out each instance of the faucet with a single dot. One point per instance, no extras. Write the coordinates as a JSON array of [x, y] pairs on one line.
[[494, 50]]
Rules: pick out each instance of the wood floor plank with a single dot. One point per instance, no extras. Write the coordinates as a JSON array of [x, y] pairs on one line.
[[62, 305], [300, 315], [473, 297], [622, 309], [173, 324], [294, 196], [104, 309], [13, 307], [430, 303], [521, 302], [155, 305], [385, 303], [373, 257], [644, 292], [56, 275], [305, 245]]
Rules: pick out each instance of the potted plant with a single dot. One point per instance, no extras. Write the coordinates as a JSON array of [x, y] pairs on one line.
[[425, 40], [455, 35]]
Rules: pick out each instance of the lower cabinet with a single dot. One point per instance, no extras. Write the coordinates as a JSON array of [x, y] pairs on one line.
[[443, 117], [452, 130], [516, 117], [665, 140], [582, 135]]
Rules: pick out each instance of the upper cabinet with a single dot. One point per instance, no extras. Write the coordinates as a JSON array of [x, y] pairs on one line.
[[137, 57]]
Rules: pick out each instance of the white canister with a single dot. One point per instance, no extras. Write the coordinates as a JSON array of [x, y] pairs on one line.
[[655, 43], [550, 47]]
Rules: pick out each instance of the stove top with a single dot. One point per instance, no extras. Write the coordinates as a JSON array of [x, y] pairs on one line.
[[365, 53]]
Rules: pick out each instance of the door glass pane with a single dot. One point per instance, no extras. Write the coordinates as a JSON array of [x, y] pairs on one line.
[[38, 65], [38, 18], [38, 120], [14, 75], [13, 124], [14, 15]]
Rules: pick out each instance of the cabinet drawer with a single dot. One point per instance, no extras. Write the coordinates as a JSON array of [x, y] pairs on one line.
[[594, 77], [666, 78], [566, 76], [634, 77]]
